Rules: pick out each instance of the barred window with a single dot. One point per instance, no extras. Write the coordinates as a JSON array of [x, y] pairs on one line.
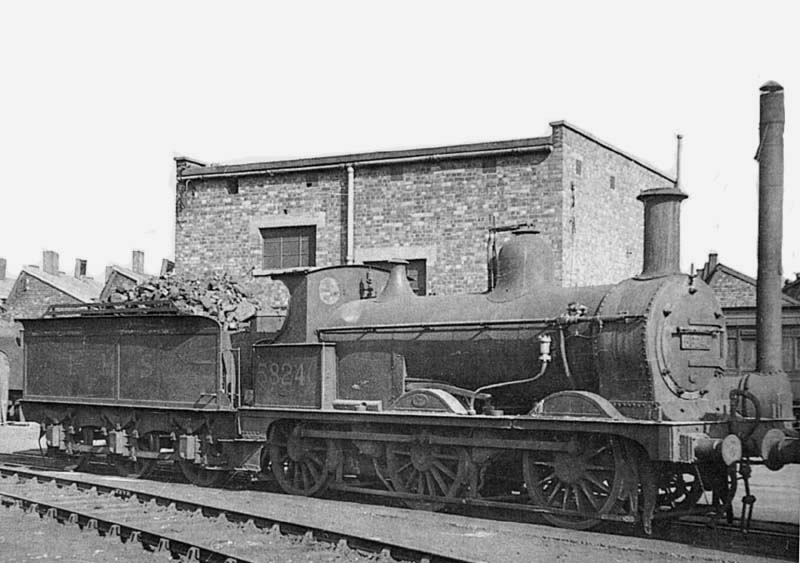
[[289, 247]]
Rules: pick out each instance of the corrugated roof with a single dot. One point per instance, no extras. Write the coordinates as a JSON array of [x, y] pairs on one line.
[[82, 289]]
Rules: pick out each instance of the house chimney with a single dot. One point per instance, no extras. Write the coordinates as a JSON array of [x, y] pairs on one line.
[[50, 262], [137, 261], [167, 267], [2, 268], [770, 229], [80, 268]]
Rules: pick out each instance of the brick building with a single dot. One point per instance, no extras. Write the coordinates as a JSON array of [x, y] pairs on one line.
[[122, 278], [733, 288], [431, 206], [37, 288], [736, 293], [6, 284], [792, 288]]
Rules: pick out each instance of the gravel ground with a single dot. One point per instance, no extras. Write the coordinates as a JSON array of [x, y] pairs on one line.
[[26, 537], [29, 537]]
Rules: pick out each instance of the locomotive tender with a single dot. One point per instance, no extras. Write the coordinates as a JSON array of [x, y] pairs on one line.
[[582, 404]]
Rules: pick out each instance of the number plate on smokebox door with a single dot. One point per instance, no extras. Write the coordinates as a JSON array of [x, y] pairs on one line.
[[695, 342]]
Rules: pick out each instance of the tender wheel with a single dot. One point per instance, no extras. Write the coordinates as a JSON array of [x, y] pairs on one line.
[[198, 475], [298, 464], [429, 470], [679, 488], [587, 480], [126, 467]]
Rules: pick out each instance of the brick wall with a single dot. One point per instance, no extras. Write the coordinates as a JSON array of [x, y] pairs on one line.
[[732, 291], [438, 211], [444, 209], [116, 281], [602, 225], [216, 231], [445, 206], [31, 299]]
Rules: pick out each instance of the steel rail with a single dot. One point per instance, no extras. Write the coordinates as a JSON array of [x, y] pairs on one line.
[[105, 526], [373, 545], [786, 532]]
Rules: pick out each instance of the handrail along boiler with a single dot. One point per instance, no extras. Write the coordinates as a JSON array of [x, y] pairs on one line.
[[583, 404]]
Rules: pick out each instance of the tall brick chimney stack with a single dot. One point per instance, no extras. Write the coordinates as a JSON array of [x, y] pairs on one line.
[[137, 261], [2, 268], [167, 266], [80, 268], [50, 262]]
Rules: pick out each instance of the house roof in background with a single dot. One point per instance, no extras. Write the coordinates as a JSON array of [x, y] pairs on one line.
[[5, 287], [82, 289]]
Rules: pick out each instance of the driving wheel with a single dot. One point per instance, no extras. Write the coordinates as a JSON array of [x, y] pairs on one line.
[[585, 480]]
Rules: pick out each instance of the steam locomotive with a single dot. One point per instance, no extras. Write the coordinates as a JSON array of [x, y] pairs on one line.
[[589, 404]]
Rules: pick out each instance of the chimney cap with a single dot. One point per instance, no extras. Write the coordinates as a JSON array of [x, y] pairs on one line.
[[526, 230], [771, 86], [677, 193]]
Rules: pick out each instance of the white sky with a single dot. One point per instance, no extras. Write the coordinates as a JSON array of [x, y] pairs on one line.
[[96, 98]]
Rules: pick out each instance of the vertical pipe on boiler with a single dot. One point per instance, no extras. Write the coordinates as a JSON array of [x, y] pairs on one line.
[[770, 229]]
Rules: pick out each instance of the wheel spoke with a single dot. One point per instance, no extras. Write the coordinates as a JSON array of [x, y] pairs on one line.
[[404, 467], [442, 485], [597, 483], [577, 498], [552, 496], [409, 483], [586, 484], [544, 480], [544, 462], [589, 495], [430, 483], [443, 468]]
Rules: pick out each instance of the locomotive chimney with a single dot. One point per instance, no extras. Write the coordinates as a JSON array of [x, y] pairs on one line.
[[662, 231], [770, 229], [398, 285]]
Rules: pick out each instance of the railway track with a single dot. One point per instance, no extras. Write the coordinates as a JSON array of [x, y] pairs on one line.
[[181, 527], [763, 539]]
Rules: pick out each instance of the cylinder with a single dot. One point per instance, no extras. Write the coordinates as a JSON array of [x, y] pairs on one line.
[[770, 229], [662, 231]]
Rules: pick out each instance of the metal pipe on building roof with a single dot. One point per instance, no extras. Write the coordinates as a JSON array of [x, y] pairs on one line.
[[350, 258], [196, 172]]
